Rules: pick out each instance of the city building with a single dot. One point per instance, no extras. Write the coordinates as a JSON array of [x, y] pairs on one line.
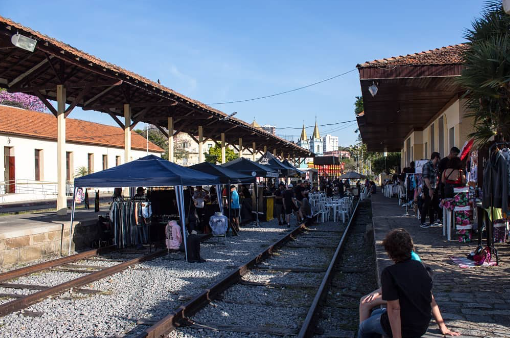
[[330, 143], [29, 142]]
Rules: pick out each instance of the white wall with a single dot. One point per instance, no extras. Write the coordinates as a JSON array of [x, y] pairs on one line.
[[24, 153]]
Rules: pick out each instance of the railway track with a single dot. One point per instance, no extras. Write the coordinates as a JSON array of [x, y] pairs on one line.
[[277, 293], [19, 290]]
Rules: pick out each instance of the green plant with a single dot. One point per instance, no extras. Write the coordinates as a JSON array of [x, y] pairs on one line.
[[486, 76], [81, 171], [214, 155]]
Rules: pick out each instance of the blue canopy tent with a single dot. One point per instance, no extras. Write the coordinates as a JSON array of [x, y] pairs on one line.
[[247, 167], [226, 175], [274, 163], [288, 164], [148, 171]]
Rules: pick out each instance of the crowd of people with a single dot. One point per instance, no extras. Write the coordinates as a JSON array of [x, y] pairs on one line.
[[439, 177]]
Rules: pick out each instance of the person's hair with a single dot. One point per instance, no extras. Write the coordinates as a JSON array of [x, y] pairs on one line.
[[434, 155], [455, 151], [398, 244], [233, 187], [454, 163], [412, 164]]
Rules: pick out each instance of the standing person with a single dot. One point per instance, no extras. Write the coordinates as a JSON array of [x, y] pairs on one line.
[[453, 177], [289, 203], [431, 203], [341, 188], [236, 208], [407, 290], [199, 201], [278, 204], [443, 165]]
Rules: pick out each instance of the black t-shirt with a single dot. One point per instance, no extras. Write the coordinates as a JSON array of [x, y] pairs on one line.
[[442, 165], [298, 192], [410, 283], [288, 195], [278, 193]]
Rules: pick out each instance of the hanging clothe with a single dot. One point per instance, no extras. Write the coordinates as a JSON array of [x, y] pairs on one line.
[[173, 235], [218, 224], [495, 182]]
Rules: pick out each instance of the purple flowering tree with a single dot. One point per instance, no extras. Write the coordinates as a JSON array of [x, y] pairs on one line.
[[21, 100]]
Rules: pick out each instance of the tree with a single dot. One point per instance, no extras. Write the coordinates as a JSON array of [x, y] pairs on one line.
[[21, 100], [156, 137], [388, 164], [214, 155], [486, 75], [358, 105]]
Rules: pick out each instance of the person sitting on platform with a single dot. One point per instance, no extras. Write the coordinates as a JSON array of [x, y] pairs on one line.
[[407, 292]]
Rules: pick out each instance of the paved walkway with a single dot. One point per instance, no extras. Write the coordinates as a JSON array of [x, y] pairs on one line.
[[476, 301]]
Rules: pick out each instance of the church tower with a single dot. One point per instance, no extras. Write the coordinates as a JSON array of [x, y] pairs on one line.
[[316, 144], [303, 140]]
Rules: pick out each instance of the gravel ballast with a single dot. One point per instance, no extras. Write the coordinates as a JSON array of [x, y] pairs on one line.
[[145, 291]]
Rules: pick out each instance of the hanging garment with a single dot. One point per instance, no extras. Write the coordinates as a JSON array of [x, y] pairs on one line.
[[505, 152], [173, 236], [218, 224], [495, 182]]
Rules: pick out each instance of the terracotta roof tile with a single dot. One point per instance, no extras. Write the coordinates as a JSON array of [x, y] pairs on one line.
[[448, 55], [16, 121], [94, 61]]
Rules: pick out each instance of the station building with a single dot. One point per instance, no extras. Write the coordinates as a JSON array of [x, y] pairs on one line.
[[413, 104], [28, 140]]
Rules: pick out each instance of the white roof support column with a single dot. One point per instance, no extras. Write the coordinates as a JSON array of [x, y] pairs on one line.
[[200, 144], [254, 152], [127, 133], [223, 159], [61, 151], [265, 149], [274, 152], [171, 139], [240, 147]]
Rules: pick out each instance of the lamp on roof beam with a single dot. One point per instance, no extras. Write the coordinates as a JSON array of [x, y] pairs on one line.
[[373, 89], [23, 42], [506, 6]]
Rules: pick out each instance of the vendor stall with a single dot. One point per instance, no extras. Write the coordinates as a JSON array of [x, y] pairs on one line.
[[148, 171], [247, 167]]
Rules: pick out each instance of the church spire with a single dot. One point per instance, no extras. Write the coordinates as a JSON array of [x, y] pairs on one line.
[[316, 130], [303, 133]]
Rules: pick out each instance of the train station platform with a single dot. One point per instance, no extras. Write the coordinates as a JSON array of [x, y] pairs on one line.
[[474, 301], [31, 236]]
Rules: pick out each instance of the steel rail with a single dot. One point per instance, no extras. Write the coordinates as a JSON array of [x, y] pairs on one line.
[[309, 324], [50, 264], [28, 300], [171, 321]]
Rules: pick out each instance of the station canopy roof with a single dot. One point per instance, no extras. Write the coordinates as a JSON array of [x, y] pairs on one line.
[[94, 84], [412, 89]]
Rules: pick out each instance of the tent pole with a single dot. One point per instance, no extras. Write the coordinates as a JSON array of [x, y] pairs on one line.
[[257, 202], [72, 219], [182, 215]]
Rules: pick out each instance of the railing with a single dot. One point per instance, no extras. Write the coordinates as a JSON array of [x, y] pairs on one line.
[[26, 186]]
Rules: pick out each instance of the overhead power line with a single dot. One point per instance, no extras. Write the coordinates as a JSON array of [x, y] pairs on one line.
[[285, 92], [320, 125]]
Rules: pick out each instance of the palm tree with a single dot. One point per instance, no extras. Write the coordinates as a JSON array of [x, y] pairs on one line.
[[486, 75]]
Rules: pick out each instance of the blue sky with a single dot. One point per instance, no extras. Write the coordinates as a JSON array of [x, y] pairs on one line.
[[216, 51]]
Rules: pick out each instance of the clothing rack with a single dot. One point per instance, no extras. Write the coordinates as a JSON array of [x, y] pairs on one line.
[[125, 230], [490, 228]]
